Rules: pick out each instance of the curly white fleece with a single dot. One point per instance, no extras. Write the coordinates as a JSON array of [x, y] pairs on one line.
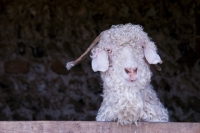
[[126, 102]]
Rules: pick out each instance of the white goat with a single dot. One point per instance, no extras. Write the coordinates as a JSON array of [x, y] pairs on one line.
[[122, 56]]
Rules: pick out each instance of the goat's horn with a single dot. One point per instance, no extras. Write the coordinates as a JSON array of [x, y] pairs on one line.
[[70, 64]]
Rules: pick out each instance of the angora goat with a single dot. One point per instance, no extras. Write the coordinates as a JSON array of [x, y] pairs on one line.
[[122, 56]]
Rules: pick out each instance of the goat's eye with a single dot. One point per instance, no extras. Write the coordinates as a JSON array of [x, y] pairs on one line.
[[109, 50]]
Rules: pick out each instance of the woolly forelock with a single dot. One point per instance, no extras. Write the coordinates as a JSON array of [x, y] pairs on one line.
[[128, 102], [128, 33]]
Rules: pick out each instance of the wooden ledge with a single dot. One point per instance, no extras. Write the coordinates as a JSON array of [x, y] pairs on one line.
[[95, 127]]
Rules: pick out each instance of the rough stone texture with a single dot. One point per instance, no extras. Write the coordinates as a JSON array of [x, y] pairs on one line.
[[16, 67], [58, 67], [39, 37]]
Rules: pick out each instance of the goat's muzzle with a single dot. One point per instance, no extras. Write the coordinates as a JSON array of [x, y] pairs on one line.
[[132, 73]]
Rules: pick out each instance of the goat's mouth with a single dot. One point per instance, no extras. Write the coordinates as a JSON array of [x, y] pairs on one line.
[[133, 80], [130, 80]]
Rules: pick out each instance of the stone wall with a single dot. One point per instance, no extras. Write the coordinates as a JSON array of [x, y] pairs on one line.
[[38, 37]]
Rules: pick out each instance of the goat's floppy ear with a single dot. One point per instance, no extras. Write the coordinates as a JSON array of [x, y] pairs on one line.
[[151, 55], [100, 61]]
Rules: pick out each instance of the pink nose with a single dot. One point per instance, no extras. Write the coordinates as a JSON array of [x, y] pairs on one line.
[[131, 72]]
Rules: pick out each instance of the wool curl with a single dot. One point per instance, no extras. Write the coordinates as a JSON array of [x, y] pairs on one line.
[[124, 102]]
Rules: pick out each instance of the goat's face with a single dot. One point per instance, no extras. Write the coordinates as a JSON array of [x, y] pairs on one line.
[[126, 61], [123, 61]]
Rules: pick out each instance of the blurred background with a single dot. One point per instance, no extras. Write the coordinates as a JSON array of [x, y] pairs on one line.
[[38, 37]]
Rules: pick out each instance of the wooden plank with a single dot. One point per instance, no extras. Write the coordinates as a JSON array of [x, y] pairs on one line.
[[95, 127]]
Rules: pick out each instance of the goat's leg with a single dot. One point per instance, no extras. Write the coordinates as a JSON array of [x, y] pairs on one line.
[[105, 114], [155, 114], [154, 111]]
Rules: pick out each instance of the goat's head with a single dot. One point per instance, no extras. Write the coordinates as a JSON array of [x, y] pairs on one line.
[[123, 48]]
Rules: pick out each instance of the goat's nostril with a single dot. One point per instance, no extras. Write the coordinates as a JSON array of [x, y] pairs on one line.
[[126, 70], [135, 70], [130, 70]]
